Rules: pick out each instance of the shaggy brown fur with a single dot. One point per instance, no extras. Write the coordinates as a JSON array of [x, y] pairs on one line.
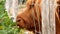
[[58, 18], [25, 19]]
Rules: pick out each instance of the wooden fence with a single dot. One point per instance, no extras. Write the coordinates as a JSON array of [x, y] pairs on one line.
[[48, 14]]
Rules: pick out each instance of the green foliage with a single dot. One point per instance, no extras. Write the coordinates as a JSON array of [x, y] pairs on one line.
[[7, 26]]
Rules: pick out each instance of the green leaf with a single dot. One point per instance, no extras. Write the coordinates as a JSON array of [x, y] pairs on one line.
[[1, 27]]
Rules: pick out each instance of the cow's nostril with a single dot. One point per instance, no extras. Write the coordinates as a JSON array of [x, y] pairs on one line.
[[17, 24], [18, 20]]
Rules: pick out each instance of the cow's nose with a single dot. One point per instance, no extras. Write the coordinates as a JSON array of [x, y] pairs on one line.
[[18, 20], [17, 24]]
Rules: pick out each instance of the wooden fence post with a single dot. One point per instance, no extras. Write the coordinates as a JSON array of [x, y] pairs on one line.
[[15, 9], [12, 8], [48, 16]]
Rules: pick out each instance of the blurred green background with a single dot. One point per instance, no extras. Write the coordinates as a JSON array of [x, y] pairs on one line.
[[7, 26]]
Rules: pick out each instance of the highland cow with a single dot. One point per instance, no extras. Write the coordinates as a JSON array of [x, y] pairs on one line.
[[27, 18]]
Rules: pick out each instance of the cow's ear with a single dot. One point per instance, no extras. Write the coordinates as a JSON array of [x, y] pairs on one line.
[[29, 3]]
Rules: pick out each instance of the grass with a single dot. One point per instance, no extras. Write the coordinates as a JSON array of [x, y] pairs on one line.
[[7, 26]]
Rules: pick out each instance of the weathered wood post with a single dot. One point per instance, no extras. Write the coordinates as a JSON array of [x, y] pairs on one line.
[[15, 9], [12, 8], [48, 16]]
